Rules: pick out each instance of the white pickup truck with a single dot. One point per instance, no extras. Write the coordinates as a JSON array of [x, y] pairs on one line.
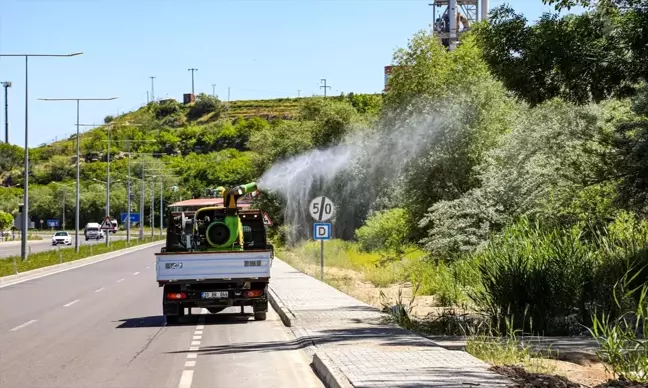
[[214, 258]]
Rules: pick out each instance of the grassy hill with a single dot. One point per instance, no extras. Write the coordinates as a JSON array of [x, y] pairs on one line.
[[193, 146]]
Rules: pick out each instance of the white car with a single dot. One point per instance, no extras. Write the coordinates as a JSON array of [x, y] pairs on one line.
[[61, 238]]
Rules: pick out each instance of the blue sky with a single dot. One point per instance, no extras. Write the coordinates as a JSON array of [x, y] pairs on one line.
[[261, 49]]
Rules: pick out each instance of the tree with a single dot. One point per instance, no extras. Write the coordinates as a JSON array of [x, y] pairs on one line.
[[6, 221]]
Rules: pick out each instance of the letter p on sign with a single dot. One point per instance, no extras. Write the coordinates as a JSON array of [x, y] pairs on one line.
[[322, 231]]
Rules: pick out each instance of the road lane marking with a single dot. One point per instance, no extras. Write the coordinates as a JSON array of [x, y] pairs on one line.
[[136, 273], [23, 325], [192, 355], [197, 337], [198, 332], [200, 327], [193, 348], [120, 280], [190, 364], [100, 289], [195, 343], [71, 303], [186, 378], [148, 267]]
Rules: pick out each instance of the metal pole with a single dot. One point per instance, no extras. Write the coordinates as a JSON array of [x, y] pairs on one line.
[[63, 215], [153, 207], [161, 199], [108, 186], [141, 222], [128, 212], [213, 90], [452, 14], [6, 86], [76, 207], [25, 214], [152, 88], [322, 259]]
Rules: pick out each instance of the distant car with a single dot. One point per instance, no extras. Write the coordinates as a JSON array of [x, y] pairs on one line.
[[61, 238]]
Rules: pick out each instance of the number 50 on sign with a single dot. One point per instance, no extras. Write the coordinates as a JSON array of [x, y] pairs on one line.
[[321, 209]]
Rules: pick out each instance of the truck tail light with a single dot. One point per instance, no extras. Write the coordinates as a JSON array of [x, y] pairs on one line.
[[253, 293], [176, 295]]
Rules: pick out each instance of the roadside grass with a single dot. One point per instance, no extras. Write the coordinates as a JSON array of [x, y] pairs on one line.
[[378, 268], [64, 255], [30, 237]]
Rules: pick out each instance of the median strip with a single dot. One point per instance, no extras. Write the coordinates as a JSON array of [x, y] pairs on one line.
[[47, 268]]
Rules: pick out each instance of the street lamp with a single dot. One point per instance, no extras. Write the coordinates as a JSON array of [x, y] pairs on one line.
[[6, 85], [25, 213], [78, 141]]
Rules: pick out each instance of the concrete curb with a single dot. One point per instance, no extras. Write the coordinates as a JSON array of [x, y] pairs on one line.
[[331, 375], [56, 268], [281, 309]]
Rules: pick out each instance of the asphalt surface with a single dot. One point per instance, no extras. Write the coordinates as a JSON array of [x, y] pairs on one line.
[[102, 326], [12, 248]]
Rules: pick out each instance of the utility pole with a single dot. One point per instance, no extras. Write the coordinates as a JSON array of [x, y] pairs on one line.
[[148, 99], [228, 94], [324, 86], [63, 215], [108, 186], [192, 70], [152, 88], [213, 90], [6, 85], [298, 93]]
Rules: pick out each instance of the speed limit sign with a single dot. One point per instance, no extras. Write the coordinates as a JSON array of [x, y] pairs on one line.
[[321, 208]]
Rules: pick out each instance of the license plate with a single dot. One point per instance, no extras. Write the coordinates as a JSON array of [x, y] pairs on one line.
[[215, 294]]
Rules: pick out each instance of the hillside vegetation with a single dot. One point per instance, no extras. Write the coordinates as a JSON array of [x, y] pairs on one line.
[[195, 146]]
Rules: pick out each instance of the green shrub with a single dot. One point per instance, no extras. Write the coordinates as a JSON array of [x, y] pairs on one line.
[[166, 109], [384, 230], [557, 275], [205, 104]]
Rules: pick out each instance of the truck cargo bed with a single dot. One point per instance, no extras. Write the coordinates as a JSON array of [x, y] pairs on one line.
[[191, 266]]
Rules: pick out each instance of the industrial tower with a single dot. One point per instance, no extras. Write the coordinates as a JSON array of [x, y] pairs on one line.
[[454, 13]]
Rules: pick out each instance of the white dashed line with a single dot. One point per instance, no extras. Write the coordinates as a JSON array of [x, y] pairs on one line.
[[120, 280], [136, 273], [148, 267], [23, 325], [185, 380], [100, 289], [71, 303], [187, 373]]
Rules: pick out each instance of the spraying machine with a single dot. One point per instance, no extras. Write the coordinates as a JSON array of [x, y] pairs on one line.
[[215, 257]]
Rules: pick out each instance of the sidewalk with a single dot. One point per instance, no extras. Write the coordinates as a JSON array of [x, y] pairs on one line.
[[353, 346]]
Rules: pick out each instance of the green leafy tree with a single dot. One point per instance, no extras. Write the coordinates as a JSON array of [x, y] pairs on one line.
[[6, 221], [580, 58], [384, 230]]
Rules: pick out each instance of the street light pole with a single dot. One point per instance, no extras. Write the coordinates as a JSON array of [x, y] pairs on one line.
[[78, 157], [25, 213], [161, 199], [152, 207], [6, 85], [141, 231]]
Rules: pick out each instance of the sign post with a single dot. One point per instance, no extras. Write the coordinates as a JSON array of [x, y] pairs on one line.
[[321, 209], [107, 226]]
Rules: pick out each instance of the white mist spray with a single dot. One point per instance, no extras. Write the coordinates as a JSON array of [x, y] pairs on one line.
[[357, 171]]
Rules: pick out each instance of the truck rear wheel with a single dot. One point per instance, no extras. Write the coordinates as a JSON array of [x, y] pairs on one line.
[[260, 316]]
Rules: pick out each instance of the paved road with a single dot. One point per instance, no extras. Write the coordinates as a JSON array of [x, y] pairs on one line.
[[12, 248], [101, 326]]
